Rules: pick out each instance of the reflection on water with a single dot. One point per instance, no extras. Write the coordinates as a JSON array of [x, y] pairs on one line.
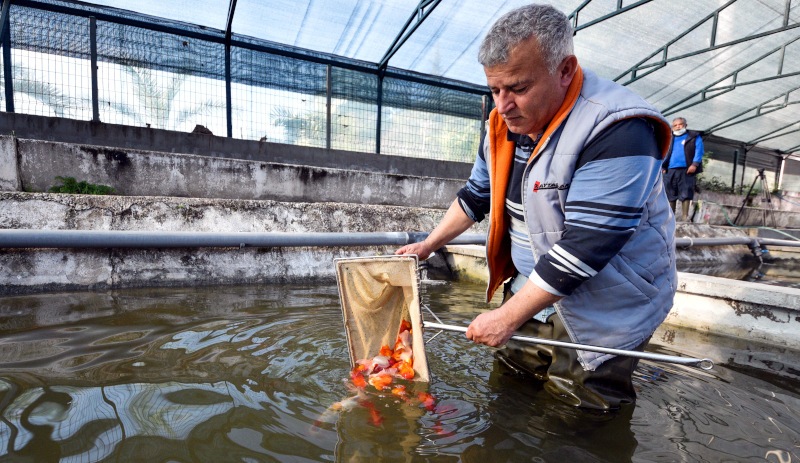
[[249, 373]]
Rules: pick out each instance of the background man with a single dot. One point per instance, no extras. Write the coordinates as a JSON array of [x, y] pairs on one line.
[[570, 176], [682, 165]]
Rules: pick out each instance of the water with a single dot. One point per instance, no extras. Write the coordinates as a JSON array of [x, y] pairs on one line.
[[247, 374]]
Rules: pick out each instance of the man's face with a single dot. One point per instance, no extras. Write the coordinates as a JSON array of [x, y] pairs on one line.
[[678, 124], [525, 93]]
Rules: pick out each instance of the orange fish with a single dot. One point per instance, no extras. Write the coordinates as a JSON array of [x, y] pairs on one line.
[[386, 351], [406, 370], [427, 401], [381, 381]]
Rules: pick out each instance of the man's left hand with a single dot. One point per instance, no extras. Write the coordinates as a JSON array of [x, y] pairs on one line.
[[691, 169]]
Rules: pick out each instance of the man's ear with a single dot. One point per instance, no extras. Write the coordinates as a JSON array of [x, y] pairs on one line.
[[567, 69]]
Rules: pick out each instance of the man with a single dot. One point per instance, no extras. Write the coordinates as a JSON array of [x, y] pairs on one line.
[[682, 165], [570, 176]]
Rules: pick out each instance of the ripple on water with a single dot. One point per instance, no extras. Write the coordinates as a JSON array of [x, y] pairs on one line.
[[251, 373]]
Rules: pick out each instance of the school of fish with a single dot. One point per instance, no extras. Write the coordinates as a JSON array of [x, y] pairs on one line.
[[383, 372]]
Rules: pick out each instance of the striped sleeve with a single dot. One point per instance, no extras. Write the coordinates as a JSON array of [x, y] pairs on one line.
[[474, 196], [612, 182]]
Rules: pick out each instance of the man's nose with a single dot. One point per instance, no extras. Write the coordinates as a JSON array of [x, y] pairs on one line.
[[504, 102]]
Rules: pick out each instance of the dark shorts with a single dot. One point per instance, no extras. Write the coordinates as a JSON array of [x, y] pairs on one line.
[[606, 388], [679, 184]]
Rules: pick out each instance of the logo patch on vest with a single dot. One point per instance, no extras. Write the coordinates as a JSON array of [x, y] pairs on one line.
[[549, 186]]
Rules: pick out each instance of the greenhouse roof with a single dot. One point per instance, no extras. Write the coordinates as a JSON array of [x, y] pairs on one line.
[[731, 68]]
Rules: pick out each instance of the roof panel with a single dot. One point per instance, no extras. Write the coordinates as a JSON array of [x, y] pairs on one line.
[[359, 29], [446, 44], [206, 13]]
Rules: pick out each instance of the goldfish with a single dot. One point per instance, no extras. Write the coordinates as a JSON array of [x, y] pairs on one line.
[[381, 372]]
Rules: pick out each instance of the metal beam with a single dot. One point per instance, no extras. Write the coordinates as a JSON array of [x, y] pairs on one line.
[[228, 92], [766, 136], [573, 17], [727, 88], [421, 13], [664, 50], [8, 72], [761, 109], [665, 60]]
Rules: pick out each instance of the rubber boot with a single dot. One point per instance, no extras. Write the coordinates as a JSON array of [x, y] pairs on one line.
[[672, 206], [685, 210]]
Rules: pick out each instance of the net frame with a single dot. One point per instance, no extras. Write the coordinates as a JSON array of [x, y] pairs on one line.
[[376, 293]]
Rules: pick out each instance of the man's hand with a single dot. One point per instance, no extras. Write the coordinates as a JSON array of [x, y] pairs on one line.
[[491, 328], [495, 328], [421, 249], [691, 169]]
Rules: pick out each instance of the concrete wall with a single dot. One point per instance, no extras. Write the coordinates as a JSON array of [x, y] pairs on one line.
[[33, 165], [39, 270], [125, 138]]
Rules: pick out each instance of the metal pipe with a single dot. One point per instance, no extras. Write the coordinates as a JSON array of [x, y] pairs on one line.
[[169, 239], [26, 238], [705, 363]]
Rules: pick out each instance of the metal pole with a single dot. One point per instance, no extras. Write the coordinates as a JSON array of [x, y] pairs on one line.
[[705, 363], [328, 94], [379, 115], [17, 238], [8, 73], [95, 86], [228, 97]]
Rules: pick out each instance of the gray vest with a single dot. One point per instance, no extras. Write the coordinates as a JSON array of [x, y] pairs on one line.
[[624, 303]]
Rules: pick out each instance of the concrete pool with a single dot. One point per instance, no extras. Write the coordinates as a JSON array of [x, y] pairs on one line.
[[248, 373]]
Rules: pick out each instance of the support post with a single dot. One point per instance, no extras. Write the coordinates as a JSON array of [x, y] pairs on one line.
[[8, 73], [380, 112], [328, 98], [95, 85]]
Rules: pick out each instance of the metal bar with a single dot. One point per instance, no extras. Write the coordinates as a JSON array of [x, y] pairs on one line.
[[733, 74], [666, 46], [767, 137], [379, 115], [8, 72], [24, 238], [95, 85], [704, 363], [328, 98], [619, 10], [712, 47], [758, 108], [229, 22], [421, 15], [228, 93]]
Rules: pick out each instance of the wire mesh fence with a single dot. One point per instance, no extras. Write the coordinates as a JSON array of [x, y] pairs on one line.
[[173, 76]]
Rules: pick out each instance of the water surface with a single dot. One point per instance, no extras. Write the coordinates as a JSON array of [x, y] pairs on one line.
[[249, 373]]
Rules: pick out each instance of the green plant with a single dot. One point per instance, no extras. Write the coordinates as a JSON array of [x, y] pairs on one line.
[[70, 185]]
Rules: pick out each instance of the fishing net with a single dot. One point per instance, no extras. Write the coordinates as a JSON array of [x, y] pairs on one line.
[[379, 297]]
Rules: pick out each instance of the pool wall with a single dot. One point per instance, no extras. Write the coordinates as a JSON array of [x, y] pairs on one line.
[[31, 270], [753, 311]]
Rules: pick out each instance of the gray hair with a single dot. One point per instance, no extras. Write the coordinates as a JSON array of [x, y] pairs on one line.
[[551, 28], [682, 119]]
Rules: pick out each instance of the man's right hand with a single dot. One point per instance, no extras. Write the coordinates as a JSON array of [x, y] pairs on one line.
[[421, 249]]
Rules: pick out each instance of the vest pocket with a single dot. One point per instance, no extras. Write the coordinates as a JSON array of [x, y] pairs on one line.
[[643, 283]]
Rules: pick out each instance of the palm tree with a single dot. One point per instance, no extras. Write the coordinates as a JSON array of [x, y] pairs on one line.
[[155, 104]]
